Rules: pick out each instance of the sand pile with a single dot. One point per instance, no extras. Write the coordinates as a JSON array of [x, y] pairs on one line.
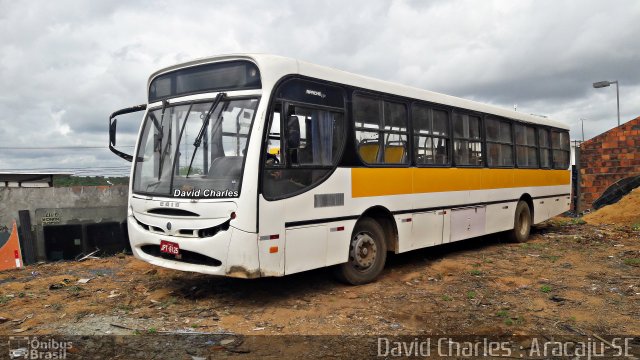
[[624, 212]]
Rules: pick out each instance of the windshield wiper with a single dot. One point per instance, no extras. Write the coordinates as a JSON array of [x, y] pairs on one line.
[[205, 123]]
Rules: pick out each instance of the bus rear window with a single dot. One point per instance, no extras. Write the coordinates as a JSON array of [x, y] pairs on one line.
[[230, 75]]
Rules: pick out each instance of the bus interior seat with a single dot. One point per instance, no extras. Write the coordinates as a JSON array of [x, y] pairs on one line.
[[368, 150], [226, 166], [395, 152]]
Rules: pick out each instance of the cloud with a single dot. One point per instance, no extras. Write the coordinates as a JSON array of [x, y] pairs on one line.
[[66, 65]]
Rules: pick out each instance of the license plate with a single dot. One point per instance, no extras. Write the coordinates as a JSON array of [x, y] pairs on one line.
[[169, 247]]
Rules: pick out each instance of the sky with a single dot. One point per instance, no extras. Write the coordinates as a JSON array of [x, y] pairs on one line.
[[65, 66]]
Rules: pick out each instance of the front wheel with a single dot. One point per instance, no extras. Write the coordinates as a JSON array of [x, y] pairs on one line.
[[367, 254], [522, 223]]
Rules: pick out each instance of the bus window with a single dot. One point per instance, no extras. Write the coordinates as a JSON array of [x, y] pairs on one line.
[[499, 143], [381, 130], [313, 141], [367, 115], [316, 142], [543, 140], [467, 148], [526, 149], [431, 135], [395, 135], [561, 149]]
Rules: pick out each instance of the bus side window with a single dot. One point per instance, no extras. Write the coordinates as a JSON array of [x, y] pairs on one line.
[[467, 147], [431, 135]]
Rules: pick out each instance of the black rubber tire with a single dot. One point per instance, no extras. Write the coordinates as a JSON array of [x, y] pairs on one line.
[[521, 224], [349, 272]]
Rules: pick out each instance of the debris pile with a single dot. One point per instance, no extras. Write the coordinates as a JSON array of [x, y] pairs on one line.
[[625, 212]]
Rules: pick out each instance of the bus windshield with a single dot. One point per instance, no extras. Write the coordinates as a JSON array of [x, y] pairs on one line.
[[194, 150]]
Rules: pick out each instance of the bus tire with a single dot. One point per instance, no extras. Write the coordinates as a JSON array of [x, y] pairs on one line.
[[367, 254], [521, 224]]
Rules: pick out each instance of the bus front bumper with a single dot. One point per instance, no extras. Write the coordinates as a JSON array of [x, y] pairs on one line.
[[231, 253]]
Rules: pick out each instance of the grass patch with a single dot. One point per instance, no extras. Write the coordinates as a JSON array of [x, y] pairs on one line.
[[125, 308], [527, 246], [573, 221], [4, 299], [552, 258], [170, 301], [545, 289], [471, 295], [447, 298], [74, 289], [475, 272], [632, 262], [152, 331], [514, 321], [635, 227], [502, 314]]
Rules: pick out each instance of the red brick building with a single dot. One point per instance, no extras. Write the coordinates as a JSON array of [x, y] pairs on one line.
[[607, 158]]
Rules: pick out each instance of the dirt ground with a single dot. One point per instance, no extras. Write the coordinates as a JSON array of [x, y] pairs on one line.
[[570, 278]]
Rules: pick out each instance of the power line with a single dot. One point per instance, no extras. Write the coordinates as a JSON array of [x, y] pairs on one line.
[[56, 147], [86, 171], [72, 168]]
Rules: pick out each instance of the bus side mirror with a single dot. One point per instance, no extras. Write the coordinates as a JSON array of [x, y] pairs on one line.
[[293, 132], [113, 124]]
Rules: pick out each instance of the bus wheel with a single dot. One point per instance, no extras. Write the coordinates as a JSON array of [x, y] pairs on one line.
[[367, 254], [522, 223]]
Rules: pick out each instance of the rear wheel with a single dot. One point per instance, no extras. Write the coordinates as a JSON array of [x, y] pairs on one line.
[[522, 223], [367, 254]]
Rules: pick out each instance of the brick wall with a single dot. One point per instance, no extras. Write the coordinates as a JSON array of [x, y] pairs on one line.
[[607, 158]]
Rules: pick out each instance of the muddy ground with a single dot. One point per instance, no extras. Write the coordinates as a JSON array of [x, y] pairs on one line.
[[569, 278]]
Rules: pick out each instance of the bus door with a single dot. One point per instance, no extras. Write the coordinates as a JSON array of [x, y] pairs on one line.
[[303, 143]]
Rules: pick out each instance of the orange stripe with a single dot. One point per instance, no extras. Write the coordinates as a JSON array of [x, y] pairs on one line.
[[398, 181]]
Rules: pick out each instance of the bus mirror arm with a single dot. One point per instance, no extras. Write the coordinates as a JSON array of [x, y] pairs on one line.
[[113, 123]]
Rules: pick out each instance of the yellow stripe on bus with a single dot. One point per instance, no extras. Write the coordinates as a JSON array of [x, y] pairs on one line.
[[398, 181]]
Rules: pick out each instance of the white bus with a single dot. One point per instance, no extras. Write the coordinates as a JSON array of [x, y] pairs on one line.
[[259, 165]]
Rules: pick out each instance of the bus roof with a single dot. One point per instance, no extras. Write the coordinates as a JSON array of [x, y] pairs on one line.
[[274, 67]]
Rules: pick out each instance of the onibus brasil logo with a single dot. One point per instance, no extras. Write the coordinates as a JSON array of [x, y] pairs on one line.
[[25, 347]]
